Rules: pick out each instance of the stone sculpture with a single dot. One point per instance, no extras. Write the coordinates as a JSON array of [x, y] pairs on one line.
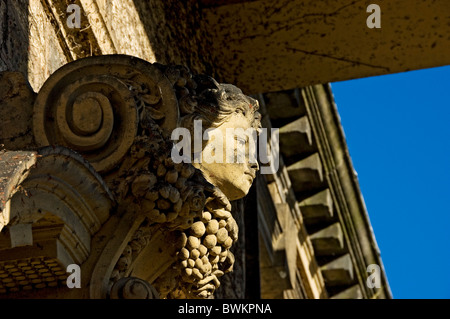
[[96, 182]]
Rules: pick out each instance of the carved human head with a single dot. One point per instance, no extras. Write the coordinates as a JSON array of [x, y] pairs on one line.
[[224, 108]]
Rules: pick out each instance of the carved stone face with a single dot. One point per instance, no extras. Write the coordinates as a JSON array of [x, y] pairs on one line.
[[232, 178]]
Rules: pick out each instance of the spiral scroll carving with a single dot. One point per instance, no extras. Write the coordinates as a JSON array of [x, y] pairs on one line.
[[133, 288], [96, 106]]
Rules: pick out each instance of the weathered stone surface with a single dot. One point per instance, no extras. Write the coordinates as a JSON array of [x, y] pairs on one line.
[[338, 272], [16, 111], [306, 174], [52, 202], [14, 36], [71, 94], [353, 292], [125, 31], [14, 167], [36, 41], [296, 138], [45, 53], [133, 288], [163, 31], [328, 241], [284, 104], [298, 43], [76, 41], [318, 207], [119, 112], [233, 285]]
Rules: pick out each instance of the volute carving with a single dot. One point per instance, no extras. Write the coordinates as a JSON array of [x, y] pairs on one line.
[[118, 112], [95, 105]]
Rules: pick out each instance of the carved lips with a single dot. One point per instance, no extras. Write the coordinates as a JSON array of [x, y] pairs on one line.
[[252, 173]]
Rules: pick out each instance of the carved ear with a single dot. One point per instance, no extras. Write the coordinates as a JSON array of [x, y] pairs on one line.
[[97, 105]]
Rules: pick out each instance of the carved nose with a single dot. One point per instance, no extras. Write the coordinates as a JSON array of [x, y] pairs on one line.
[[254, 166]]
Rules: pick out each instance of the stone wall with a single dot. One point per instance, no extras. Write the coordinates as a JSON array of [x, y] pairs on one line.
[[35, 38], [28, 42], [14, 35]]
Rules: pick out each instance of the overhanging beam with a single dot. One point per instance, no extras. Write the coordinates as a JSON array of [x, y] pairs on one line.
[[267, 45]]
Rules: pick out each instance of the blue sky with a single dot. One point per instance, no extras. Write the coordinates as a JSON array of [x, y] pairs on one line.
[[398, 133]]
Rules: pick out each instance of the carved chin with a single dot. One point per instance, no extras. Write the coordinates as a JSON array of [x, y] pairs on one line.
[[238, 188]]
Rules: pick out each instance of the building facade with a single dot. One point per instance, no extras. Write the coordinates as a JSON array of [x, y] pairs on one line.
[[90, 93]]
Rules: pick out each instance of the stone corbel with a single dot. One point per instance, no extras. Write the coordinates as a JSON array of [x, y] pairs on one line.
[[157, 224]]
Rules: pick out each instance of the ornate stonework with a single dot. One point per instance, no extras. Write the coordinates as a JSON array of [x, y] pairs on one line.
[[96, 177]]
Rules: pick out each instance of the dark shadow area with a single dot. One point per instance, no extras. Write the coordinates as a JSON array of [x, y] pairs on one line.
[[16, 94], [175, 33], [252, 272], [14, 36]]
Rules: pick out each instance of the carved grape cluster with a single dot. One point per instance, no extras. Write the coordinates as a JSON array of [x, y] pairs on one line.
[[206, 254], [174, 195], [178, 197], [167, 193], [174, 200]]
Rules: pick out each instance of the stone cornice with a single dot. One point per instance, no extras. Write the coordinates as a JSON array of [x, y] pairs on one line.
[[316, 188], [291, 264], [344, 186]]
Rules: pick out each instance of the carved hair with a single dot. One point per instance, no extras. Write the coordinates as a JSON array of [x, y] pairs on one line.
[[215, 103]]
